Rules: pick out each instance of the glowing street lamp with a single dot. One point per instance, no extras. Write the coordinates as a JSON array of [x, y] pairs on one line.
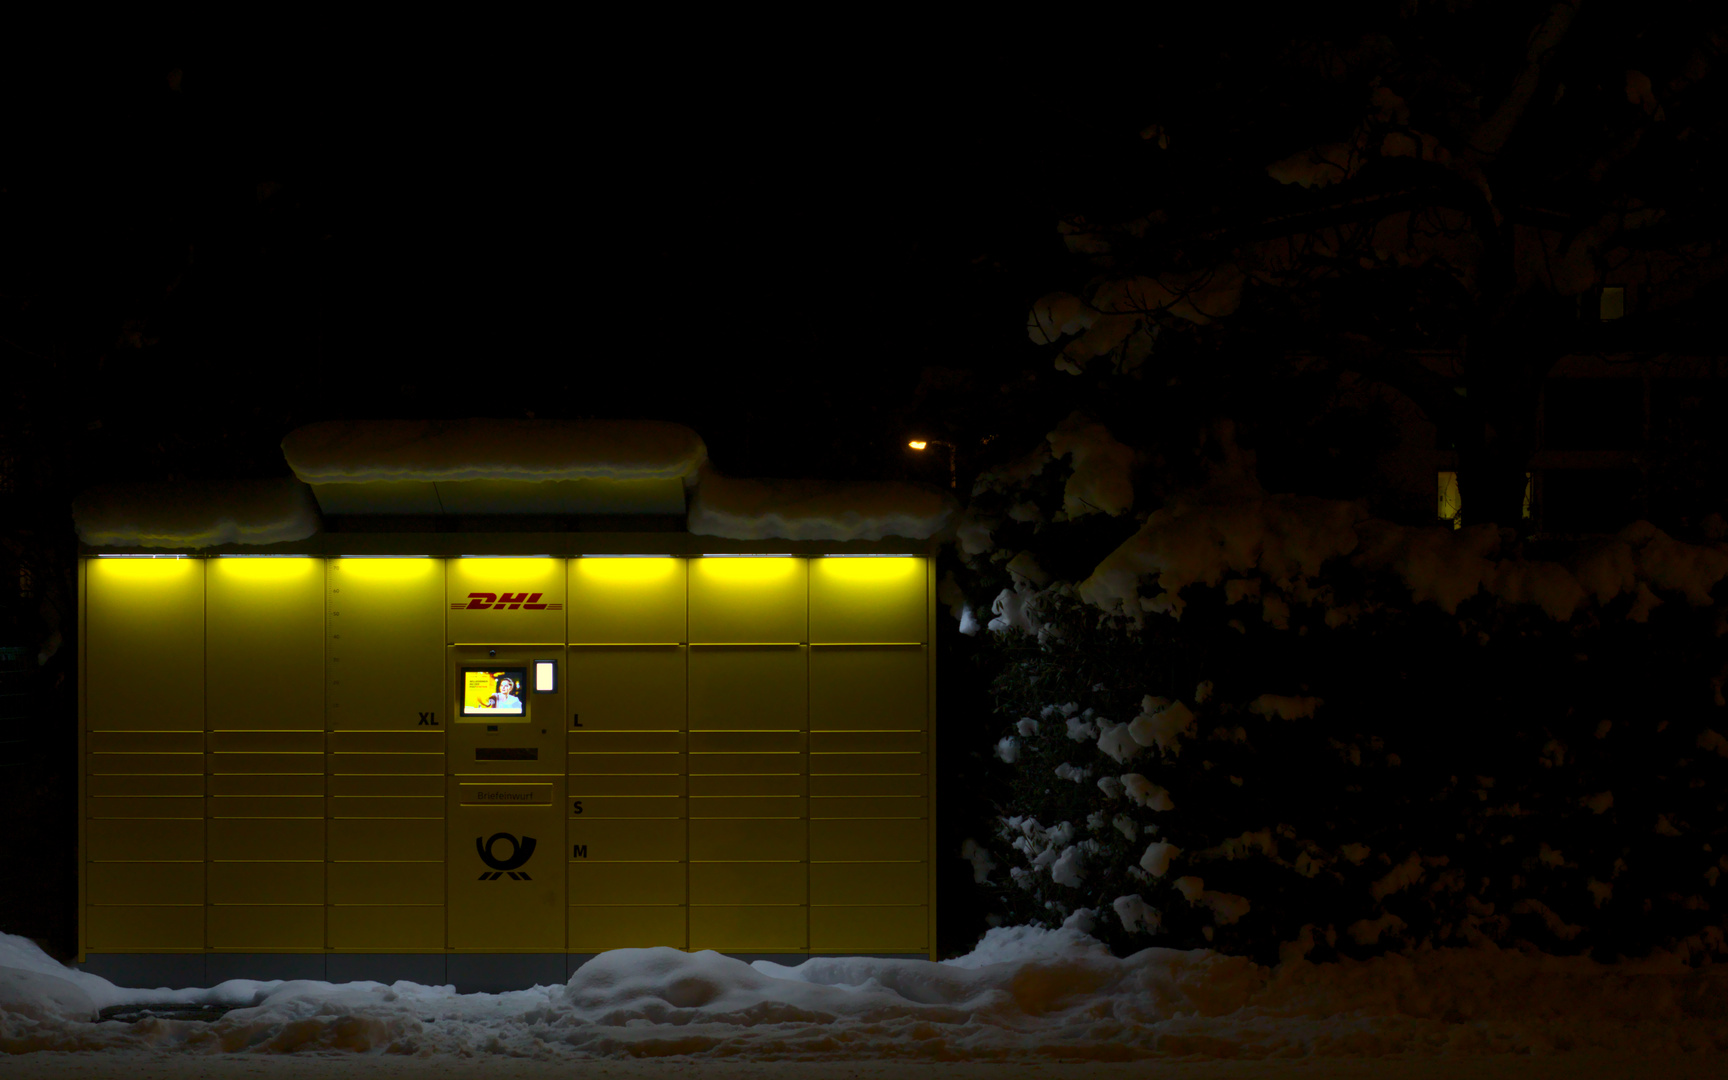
[[921, 445]]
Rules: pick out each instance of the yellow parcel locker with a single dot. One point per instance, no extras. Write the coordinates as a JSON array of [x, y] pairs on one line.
[[748, 600], [385, 652], [623, 600], [872, 599], [264, 643], [144, 644]]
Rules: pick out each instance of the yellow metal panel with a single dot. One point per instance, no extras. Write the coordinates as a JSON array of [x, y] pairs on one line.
[[625, 764], [747, 689], [126, 840], [862, 883], [627, 839], [382, 786], [420, 741], [747, 883], [625, 742], [144, 929], [625, 689], [596, 929], [266, 784], [489, 910], [735, 764], [889, 838], [384, 839], [387, 883], [264, 643], [385, 807], [145, 786], [266, 742], [145, 764], [747, 742], [626, 600], [627, 883], [734, 839], [625, 807], [387, 929], [733, 786], [748, 600], [254, 764], [867, 600], [145, 808], [599, 784], [386, 626], [121, 883], [266, 883], [869, 689], [422, 764], [747, 806], [146, 742], [273, 928], [905, 807], [144, 644], [829, 764], [867, 786], [266, 839], [749, 929], [266, 806], [869, 929], [868, 742], [506, 600]]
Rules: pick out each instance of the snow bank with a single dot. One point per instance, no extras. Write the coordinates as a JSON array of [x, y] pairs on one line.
[[816, 509], [1022, 994], [195, 515], [358, 451]]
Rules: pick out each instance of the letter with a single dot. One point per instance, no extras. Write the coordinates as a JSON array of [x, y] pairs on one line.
[[577, 809], [579, 851], [575, 719], [533, 605], [475, 598], [513, 599]]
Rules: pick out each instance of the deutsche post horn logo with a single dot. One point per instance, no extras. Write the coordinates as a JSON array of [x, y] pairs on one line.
[[520, 852]]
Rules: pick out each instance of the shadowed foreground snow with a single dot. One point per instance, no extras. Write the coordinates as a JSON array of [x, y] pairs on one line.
[[1024, 996]]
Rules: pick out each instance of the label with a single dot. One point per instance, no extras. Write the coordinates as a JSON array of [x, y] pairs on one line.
[[506, 794]]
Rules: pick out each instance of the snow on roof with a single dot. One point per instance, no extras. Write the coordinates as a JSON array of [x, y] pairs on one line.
[[195, 515], [359, 451], [741, 509]]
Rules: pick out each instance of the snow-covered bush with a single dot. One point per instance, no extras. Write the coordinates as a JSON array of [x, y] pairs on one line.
[[1258, 714]]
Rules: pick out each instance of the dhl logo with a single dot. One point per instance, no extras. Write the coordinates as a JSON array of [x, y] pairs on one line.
[[484, 601]]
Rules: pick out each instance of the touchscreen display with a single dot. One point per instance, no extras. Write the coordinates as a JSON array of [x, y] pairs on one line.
[[493, 691]]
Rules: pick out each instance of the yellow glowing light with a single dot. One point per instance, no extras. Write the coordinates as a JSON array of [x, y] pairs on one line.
[[516, 569], [917, 444], [378, 569], [626, 571], [266, 569], [875, 570], [747, 569], [156, 569]]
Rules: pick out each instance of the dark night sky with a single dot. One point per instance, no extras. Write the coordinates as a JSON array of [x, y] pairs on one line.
[[773, 254]]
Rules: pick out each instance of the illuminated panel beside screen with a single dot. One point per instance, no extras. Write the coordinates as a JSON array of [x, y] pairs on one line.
[[545, 676], [494, 693]]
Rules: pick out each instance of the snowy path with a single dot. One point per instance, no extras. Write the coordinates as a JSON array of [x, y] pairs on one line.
[[1025, 1003]]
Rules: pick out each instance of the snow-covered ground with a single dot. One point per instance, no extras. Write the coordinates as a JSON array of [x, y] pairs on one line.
[[1025, 1002]]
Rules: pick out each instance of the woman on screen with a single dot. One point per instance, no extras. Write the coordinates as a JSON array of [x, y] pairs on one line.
[[505, 698]]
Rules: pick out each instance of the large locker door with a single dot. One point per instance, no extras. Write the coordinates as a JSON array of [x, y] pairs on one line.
[[264, 686], [749, 760], [384, 662], [869, 767], [626, 805], [144, 723]]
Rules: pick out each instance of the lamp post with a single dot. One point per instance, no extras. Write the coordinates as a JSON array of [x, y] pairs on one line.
[[920, 445]]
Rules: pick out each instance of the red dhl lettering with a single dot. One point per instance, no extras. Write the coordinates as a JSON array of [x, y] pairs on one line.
[[482, 601]]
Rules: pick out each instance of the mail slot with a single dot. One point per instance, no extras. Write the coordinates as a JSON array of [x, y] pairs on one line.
[[506, 794]]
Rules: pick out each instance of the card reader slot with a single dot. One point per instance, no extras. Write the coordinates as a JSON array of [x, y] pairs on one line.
[[507, 753]]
